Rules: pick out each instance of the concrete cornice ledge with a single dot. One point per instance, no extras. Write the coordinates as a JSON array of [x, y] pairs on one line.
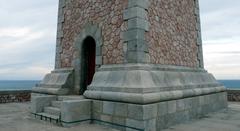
[[150, 98], [142, 66], [147, 83]]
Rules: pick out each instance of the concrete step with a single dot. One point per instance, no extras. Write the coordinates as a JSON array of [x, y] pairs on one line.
[[48, 117], [52, 110], [64, 98], [56, 104], [63, 70], [49, 85], [53, 91]]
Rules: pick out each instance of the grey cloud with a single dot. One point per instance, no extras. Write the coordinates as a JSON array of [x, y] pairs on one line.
[[220, 21], [231, 53], [215, 5], [28, 58], [28, 12]]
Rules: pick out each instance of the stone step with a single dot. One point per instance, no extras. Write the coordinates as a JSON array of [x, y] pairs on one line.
[[56, 104], [59, 91], [64, 98], [63, 70], [48, 117], [49, 85], [52, 110]]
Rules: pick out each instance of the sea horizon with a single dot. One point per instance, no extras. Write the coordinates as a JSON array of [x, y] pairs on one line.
[[18, 84], [29, 84]]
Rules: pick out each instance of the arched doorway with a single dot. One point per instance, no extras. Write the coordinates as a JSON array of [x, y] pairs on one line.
[[88, 62]]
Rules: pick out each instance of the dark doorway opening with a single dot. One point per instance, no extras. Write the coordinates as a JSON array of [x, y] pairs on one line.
[[88, 63]]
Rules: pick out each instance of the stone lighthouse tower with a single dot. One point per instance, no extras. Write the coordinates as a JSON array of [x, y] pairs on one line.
[[137, 63]]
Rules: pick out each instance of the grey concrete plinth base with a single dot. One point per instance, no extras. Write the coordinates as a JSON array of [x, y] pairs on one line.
[[156, 116], [58, 82], [67, 111], [149, 97], [146, 83], [75, 112], [137, 97], [39, 101], [129, 116]]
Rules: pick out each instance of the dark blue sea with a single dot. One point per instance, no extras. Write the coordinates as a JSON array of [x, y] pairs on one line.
[[231, 83], [17, 84], [28, 84]]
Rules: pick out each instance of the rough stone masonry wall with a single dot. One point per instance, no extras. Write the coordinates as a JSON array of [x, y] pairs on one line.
[[233, 95], [15, 96], [75, 14], [172, 37]]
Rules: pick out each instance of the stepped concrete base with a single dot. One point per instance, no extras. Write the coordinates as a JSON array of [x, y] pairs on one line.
[[140, 97], [150, 97], [52, 110], [18, 118], [127, 116], [39, 101], [156, 116], [74, 112], [64, 110], [47, 117], [58, 82], [146, 83]]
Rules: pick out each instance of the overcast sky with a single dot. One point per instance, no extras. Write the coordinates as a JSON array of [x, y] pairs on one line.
[[28, 35]]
